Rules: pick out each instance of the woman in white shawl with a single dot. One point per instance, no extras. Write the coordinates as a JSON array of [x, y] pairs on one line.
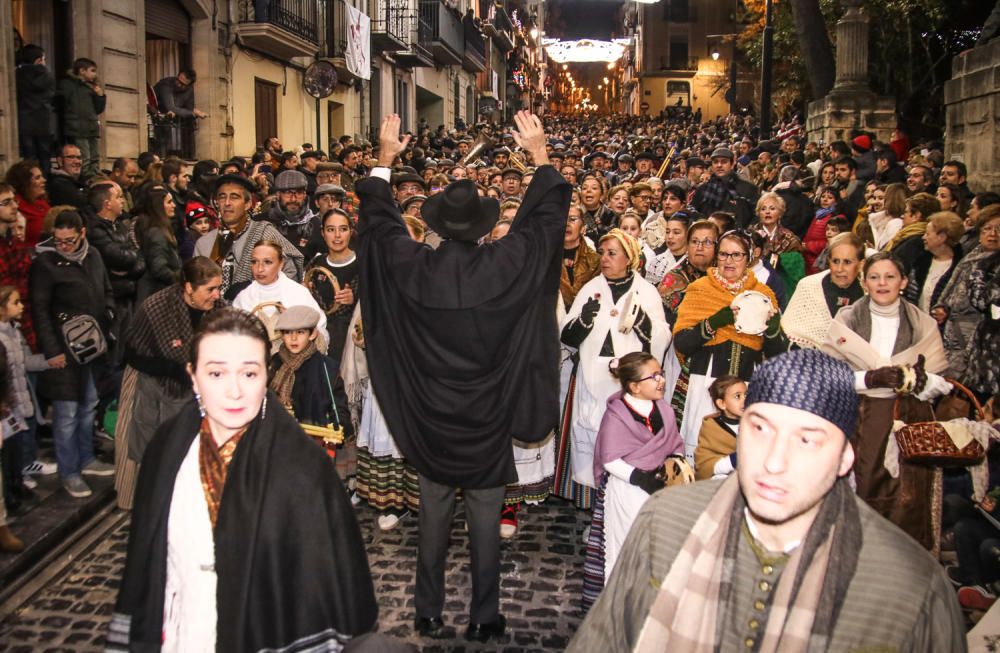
[[615, 313], [818, 297], [270, 285]]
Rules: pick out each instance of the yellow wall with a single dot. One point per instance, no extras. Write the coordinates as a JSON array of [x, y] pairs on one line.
[[296, 108]]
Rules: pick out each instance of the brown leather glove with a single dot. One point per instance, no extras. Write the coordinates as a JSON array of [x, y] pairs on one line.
[[884, 377], [921, 375]]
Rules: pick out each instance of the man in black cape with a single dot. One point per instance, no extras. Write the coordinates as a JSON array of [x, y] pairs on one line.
[[463, 352]]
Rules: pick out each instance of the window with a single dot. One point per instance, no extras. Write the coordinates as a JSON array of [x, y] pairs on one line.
[[265, 96], [678, 55], [457, 95], [401, 102], [676, 11]]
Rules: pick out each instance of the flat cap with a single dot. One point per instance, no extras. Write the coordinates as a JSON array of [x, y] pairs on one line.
[[297, 317]]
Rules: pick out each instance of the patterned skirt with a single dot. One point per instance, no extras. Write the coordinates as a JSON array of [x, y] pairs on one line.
[[593, 562], [563, 484], [386, 482]]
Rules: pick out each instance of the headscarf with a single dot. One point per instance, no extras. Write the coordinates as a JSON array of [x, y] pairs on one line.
[[629, 245]]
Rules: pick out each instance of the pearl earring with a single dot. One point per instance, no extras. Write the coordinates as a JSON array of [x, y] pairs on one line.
[[263, 408], [201, 407]]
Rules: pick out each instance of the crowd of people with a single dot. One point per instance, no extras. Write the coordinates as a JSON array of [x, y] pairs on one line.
[[697, 261]]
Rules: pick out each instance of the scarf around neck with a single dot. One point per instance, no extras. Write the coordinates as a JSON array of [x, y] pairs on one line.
[[909, 231], [284, 378], [697, 598], [213, 464], [711, 293]]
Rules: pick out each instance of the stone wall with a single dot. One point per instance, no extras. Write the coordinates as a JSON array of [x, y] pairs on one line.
[[972, 104], [834, 117], [8, 105]]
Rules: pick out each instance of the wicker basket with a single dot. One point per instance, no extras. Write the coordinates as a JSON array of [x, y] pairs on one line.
[[927, 443]]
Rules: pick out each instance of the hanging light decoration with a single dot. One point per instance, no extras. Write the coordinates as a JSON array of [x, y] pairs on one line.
[[585, 50]]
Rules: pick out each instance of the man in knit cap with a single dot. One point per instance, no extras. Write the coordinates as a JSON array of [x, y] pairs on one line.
[[781, 556]]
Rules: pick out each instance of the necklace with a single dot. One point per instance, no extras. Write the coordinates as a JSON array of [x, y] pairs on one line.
[[734, 287]]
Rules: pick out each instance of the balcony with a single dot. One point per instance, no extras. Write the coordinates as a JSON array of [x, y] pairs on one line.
[[390, 25], [416, 51], [679, 64], [474, 60], [447, 38], [283, 28], [336, 41], [504, 28]]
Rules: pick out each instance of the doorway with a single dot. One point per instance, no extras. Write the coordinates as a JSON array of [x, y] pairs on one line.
[[265, 105]]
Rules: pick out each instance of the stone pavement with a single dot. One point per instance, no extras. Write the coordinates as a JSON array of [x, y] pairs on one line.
[[541, 581]]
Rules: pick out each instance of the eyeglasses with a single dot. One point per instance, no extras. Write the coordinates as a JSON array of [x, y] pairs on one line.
[[992, 229], [656, 376], [66, 242], [8, 201], [706, 243], [732, 256]]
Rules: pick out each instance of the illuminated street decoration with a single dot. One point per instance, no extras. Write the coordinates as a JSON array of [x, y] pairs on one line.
[[585, 50]]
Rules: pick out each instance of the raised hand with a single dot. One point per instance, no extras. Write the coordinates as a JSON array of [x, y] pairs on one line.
[[390, 145], [530, 136]]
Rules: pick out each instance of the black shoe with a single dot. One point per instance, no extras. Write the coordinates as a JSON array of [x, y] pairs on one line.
[[429, 627], [483, 632]]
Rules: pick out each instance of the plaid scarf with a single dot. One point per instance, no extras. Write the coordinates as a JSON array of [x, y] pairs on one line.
[[718, 191], [214, 462], [690, 610], [284, 378]]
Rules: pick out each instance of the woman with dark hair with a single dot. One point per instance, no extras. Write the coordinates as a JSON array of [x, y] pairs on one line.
[[908, 243], [237, 513], [949, 196], [155, 384], [29, 189], [597, 217], [896, 352], [705, 333], [155, 233], [340, 261], [637, 434]]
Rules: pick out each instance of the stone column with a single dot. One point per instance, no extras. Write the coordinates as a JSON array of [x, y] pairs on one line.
[[852, 49], [8, 103]]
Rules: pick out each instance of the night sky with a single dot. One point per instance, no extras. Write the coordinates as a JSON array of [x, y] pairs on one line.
[[577, 19]]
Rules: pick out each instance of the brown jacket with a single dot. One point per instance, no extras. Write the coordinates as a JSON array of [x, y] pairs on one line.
[[714, 443], [586, 266]]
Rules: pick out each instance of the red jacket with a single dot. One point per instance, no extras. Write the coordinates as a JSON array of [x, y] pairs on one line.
[[815, 242], [34, 214]]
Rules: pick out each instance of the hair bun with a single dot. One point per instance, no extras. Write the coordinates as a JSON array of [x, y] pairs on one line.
[[613, 366]]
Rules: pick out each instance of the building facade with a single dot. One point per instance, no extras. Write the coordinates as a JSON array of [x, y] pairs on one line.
[[431, 61]]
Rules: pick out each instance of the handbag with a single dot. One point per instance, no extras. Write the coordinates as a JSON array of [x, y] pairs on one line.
[[84, 338], [928, 443]]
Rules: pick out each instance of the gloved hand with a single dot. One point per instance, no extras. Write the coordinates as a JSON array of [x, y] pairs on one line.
[[921, 383], [773, 324], [590, 310], [649, 481], [723, 317], [884, 377]]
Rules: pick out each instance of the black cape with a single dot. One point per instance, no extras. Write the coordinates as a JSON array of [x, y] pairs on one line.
[[291, 564], [462, 341]]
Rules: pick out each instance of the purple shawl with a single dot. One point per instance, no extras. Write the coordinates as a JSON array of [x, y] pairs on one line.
[[621, 436]]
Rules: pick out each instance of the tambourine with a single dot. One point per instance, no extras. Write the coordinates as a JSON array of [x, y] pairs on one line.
[[677, 471], [629, 313], [755, 309], [270, 320], [309, 281]]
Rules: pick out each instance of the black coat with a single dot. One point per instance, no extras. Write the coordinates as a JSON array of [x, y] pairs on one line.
[[121, 257], [311, 396], [908, 251], [290, 559], [36, 88], [918, 276], [63, 189], [462, 341], [799, 211], [163, 261], [61, 289]]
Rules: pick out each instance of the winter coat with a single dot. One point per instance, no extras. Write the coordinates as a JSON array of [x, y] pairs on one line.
[[163, 262], [36, 87], [78, 107], [63, 189], [918, 276], [60, 289], [20, 361], [799, 210], [122, 259]]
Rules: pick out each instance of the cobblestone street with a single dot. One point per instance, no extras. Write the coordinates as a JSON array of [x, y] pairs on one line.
[[541, 579]]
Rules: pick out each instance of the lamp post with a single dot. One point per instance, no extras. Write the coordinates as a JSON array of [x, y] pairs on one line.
[[767, 52]]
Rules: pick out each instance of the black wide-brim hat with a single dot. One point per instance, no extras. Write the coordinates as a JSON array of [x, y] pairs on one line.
[[459, 213]]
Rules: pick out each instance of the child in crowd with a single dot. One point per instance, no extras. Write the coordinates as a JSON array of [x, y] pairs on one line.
[[715, 455], [199, 223], [835, 227], [19, 449], [307, 383], [816, 239]]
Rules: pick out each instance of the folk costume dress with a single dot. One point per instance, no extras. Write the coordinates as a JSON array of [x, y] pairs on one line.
[[384, 479], [337, 322], [711, 353], [716, 443], [868, 337], [672, 290], [598, 343], [635, 434], [783, 251], [288, 293], [816, 301], [275, 561]]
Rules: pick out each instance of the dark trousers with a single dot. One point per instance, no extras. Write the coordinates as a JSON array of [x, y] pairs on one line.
[[977, 546], [38, 148], [482, 512]]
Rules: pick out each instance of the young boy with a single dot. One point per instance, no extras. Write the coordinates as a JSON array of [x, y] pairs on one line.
[[80, 101], [307, 383], [715, 456], [835, 227]]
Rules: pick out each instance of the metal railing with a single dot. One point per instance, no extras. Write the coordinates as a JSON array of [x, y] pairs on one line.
[[446, 27], [390, 18], [336, 36], [475, 44], [296, 16]]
